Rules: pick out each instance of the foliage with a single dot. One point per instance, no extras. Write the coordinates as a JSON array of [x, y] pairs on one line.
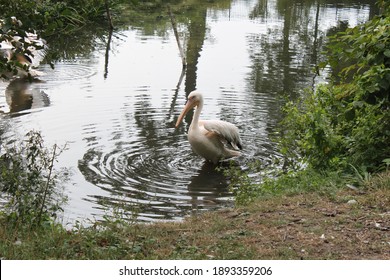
[[152, 4], [29, 182], [346, 123], [51, 19], [241, 184], [15, 38], [55, 16], [276, 182], [340, 133]]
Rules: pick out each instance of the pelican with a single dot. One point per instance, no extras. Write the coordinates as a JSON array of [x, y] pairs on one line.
[[214, 140]]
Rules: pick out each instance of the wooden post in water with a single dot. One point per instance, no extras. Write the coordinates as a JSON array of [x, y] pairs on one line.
[[174, 26]]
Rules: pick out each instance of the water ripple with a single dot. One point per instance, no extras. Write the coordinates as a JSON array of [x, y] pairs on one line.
[[159, 182], [68, 71]]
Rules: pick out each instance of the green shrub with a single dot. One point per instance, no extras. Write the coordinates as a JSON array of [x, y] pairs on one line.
[[339, 133], [29, 182], [12, 28], [51, 17], [347, 122]]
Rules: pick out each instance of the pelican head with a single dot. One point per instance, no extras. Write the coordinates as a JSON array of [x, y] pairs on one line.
[[195, 98]]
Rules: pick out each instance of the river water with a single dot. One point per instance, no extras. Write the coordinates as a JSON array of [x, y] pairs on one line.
[[113, 100]]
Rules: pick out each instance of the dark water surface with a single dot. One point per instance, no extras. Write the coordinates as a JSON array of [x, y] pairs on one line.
[[116, 109]]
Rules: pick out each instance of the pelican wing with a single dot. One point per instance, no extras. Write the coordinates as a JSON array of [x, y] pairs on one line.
[[225, 130]]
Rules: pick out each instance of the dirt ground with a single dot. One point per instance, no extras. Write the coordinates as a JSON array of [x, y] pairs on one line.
[[319, 228], [345, 225]]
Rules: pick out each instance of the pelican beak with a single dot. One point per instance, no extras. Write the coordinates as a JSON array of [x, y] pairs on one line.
[[191, 103]]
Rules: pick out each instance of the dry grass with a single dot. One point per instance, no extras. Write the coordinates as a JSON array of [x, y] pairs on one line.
[[299, 227]]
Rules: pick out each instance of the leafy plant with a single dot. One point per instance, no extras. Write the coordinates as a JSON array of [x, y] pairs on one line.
[[29, 182], [340, 131], [241, 184], [346, 122], [275, 181], [15, 39], [51, 17]]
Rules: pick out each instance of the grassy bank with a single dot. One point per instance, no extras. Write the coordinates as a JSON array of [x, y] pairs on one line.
[[341, 224]]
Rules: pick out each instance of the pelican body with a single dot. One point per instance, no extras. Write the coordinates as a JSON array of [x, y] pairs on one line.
[[213, 140]]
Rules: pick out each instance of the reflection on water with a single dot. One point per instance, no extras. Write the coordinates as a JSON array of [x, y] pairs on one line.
[[152, 184], [21, 95], [114, 99]]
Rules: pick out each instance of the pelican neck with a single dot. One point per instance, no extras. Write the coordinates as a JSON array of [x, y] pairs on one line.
[[195, 119]]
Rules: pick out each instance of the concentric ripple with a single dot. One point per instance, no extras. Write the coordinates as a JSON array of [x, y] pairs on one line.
[[157, 183], [146, 167], [69, 71]]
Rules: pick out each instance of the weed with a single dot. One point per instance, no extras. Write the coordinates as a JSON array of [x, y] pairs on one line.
[[29, 182]]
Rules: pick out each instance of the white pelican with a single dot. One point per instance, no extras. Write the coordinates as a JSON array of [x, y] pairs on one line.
[[210, 138]]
